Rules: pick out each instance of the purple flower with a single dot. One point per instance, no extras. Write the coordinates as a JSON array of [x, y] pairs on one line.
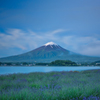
[[55, 75]]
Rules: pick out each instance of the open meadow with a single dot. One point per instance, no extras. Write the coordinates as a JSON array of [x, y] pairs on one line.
[[64, 85]]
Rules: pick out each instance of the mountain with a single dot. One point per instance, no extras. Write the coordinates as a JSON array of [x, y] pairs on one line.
[[47, 53]]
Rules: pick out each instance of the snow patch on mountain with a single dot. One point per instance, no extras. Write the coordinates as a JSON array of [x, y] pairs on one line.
[[50, 43], [51, 46]]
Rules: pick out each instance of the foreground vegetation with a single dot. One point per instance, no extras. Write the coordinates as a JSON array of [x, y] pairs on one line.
[[73, 85]]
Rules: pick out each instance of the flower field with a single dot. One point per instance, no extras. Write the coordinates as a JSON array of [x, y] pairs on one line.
[[73, 85]]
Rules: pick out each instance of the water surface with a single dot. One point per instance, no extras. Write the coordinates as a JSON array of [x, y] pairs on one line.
[[24, 69]]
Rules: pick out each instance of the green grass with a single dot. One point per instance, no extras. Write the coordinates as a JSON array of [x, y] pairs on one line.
[[74, 85]]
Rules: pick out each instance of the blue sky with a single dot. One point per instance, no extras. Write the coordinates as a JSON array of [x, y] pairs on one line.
[[28, 24]]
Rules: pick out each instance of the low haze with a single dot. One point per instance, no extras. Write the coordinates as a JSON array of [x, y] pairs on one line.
[[28, 24]]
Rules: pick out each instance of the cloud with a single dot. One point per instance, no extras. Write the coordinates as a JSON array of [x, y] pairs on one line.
[[23, 40], [17, 38], [83, 45], [57, 31], [12, 39]]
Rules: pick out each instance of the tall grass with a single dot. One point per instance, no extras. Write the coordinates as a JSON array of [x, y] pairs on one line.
[[74, 85]]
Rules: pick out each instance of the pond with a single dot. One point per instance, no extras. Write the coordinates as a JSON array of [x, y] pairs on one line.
[[27, 69]]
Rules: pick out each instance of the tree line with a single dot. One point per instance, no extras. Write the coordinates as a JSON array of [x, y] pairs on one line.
[[62, 63], [53, 63]]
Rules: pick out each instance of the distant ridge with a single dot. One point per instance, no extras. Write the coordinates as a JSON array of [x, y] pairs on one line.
[[47, 53]]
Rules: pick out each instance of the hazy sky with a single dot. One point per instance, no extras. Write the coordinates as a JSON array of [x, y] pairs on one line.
[[28, 24]]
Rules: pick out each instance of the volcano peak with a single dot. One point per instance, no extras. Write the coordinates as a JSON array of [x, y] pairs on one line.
[[50, 43]]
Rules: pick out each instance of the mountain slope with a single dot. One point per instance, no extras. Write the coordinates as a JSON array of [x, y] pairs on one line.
[[47, 53]]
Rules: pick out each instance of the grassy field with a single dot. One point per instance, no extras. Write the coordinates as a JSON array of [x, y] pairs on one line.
[[73, 85]]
